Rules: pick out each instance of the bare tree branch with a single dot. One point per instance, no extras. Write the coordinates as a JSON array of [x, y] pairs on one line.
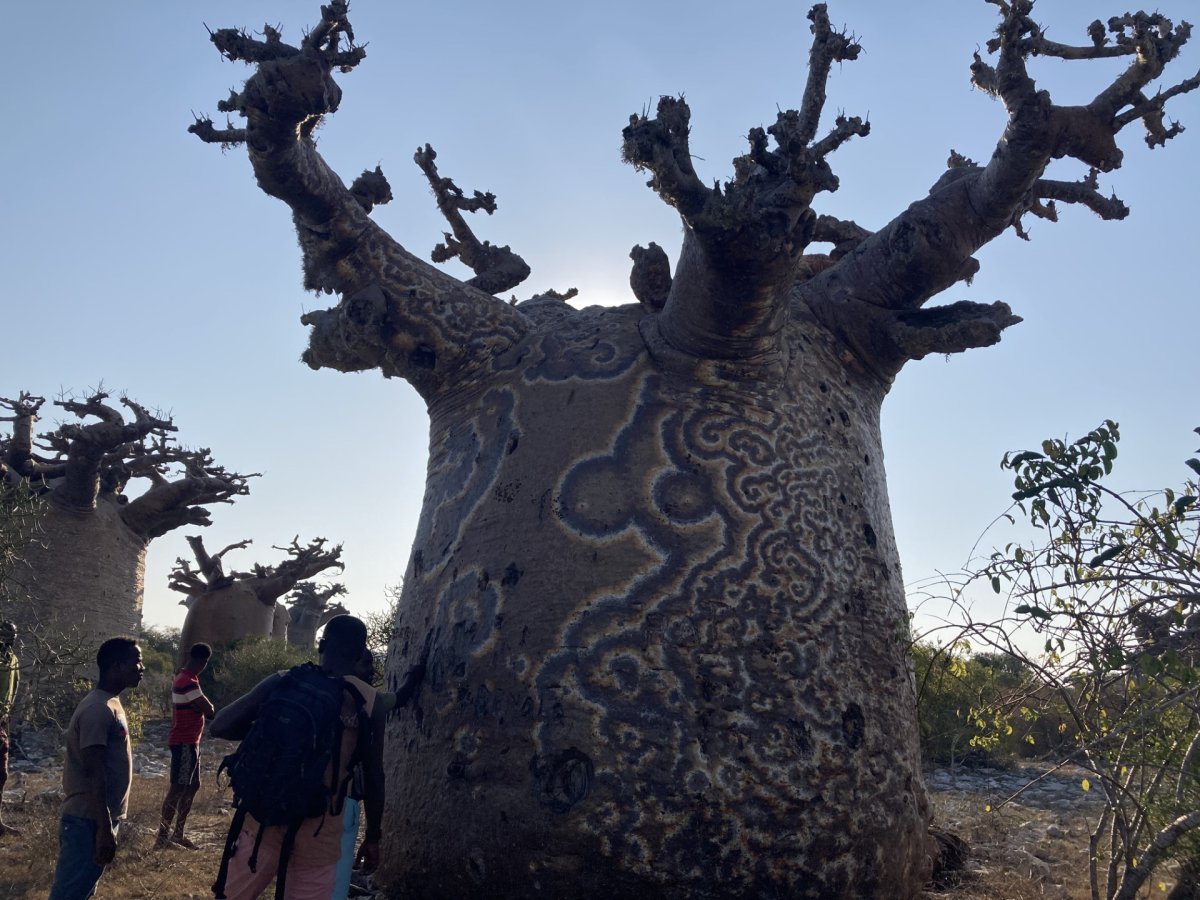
[[272, 582], [209, 574], [397, 313], [828, 47], [87, 447], [496, 268], [1082, 192], [930, 246], [17, 451]]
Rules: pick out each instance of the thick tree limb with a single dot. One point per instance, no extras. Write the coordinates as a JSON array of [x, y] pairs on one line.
[[1082, 192], [97, 459], [89, 446], [744, 243], [828, 47], [209, 574], [844, 235], [171, 504], [929, 246], [951, 329], [397, 313], [1164, 840]]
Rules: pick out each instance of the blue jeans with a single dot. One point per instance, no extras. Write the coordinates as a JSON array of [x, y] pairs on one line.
[[341, 887], [76, 875]]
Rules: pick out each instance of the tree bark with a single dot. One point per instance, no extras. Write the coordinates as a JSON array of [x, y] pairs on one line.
[[84, 572], [668, 634], [227, 615]]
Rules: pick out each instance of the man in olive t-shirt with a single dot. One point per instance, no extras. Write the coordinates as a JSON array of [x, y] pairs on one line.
[[96, 774]]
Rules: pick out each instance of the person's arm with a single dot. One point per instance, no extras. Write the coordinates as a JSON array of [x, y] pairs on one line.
[[373, 792], [412, 681], [234, 721], [203, 706], [95, 776]]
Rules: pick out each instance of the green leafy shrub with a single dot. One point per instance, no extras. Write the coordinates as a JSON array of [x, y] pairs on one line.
[[1112, 593], [235, 670], [964, 704], [160, 650]]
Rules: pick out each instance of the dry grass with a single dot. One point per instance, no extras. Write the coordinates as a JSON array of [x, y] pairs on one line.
[[27, 862], [1011, 857]]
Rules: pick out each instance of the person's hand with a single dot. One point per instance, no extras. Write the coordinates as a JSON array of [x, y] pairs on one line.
[[106, 845], [367, 858]]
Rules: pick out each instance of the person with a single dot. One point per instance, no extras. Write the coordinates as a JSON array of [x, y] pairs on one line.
[[312, 865], [10, 677], [97, 773], [189, 709], [387, 700]]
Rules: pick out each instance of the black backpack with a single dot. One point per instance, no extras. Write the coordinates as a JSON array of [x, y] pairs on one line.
[[278, 771]]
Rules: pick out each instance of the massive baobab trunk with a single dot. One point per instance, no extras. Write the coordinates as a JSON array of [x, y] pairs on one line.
[[96, 586], [224, 608], [654, 578], [83, 571]]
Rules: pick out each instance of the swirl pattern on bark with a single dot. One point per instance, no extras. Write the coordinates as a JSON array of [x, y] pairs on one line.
[[675, 620]]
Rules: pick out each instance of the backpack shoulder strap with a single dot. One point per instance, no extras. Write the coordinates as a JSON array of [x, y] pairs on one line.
[[235, 828]]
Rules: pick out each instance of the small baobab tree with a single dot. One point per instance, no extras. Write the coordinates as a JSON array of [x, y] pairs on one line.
[[309, 609], [225, 607], [655, 570], [83, 570]]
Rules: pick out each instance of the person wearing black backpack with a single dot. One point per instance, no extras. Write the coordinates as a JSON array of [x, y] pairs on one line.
[[302, 731]]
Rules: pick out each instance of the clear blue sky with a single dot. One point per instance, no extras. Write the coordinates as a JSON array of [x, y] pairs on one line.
[[136, 256]]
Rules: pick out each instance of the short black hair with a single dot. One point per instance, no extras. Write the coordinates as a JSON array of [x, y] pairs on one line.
[[345, 636], [200, 652], [115, 652]]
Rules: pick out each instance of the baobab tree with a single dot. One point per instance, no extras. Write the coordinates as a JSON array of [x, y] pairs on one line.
[[309, 610], [83, 569], [655, 573], [225, 607]]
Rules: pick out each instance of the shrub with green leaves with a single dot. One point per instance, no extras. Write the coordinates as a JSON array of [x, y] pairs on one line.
[[235, 670], [160, 650], [1113, 594], [966, 704]]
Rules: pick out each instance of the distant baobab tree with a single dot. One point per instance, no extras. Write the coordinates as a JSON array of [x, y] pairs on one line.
[[84, 569], [225, 607], [309, 610]]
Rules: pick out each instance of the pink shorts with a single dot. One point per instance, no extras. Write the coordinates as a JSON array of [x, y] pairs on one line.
[[303, 882]]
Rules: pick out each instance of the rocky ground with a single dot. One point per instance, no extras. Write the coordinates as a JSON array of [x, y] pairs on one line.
[[1027, 826]]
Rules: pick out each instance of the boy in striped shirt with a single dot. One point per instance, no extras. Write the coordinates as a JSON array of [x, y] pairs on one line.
[[189, 709]]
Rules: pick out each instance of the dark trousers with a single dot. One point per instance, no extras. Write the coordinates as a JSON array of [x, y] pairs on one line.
[[76, 875]]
